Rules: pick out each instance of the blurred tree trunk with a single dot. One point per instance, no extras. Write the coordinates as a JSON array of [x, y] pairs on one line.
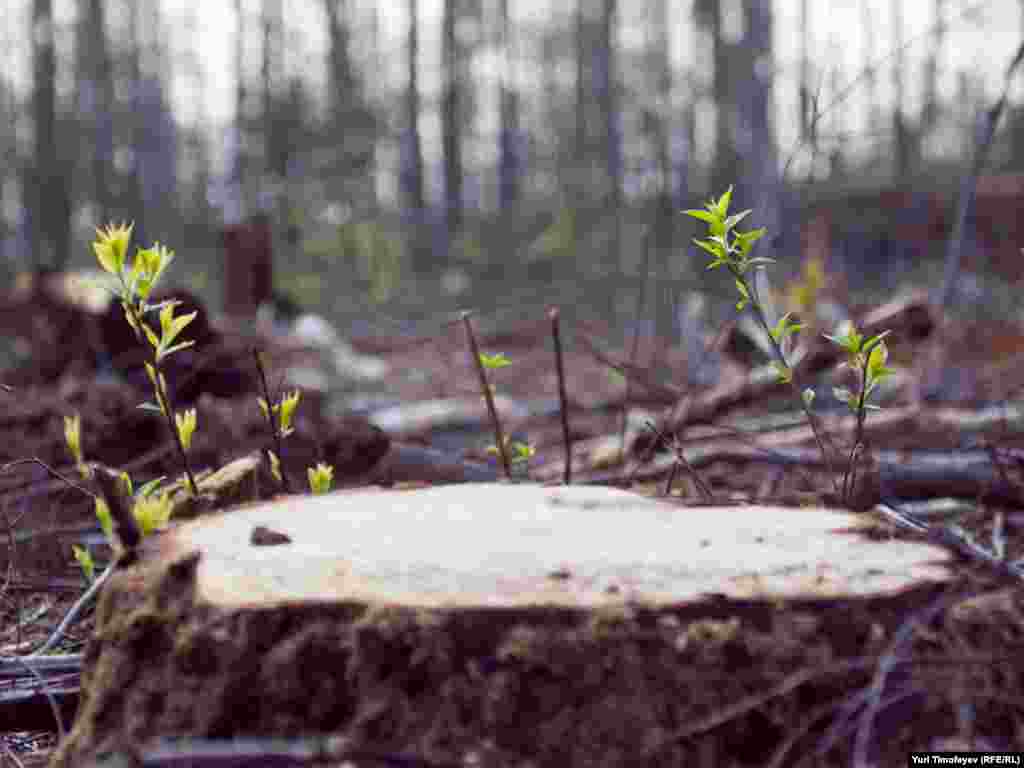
[[451, 123], [413, 197], [274, 191], [870, 75], [509, 163], [9, 160], [552, 56], [607, 90], [49, 199], [837, 167], [193, 198], [902, 137], [808, 132], [580, 152], [412, 166], [272, 75], [373, 96], [607, 98], [660, 136], [239, 209], [760, 185], [726, 164], [154, 128], [352, 131], [931, 106], [96, 103], [341, 84], [139, 123]]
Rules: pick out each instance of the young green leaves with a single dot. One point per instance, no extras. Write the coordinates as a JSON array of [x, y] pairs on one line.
[[782, 335], [868, 358], [727, 248], [73, 440], [85, 562], [151, 512], [518, 452], [731, 250], [497, 360], [320, 478], [138, 281], [111, 247], [136, 285], [170, 327], [283, 411], [186, 422]]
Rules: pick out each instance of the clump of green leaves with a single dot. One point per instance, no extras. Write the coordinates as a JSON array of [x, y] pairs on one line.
[[283, 411], [867, 357], [731, 249], [320, 478], [518, 451], [135, 285]]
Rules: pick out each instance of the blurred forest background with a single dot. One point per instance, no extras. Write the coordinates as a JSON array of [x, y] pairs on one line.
[[415, 157]]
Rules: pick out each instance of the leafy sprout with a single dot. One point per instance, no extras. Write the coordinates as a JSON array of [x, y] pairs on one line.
[[731, 249], [320, 478], [136, 283]]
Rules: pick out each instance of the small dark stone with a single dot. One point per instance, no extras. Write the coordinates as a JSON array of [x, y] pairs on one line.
[[262, 536]]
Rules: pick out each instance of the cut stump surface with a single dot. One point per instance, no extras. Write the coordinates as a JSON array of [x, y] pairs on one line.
[[521, 546]]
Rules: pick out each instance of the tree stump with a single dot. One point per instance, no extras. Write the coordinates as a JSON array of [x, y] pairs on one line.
[[504, 624]]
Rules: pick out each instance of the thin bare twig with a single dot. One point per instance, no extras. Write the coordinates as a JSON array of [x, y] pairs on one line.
[[705, 491], [563, 399], [51, 470], [72, 615], [679, 411]]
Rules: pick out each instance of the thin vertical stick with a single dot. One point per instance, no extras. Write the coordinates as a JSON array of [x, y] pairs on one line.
[[488, 397], [563, 399]]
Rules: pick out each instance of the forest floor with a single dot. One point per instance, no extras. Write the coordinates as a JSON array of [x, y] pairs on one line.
[[953, 399]]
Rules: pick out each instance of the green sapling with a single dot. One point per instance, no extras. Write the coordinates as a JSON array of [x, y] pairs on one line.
[[867, 358], [731, 249], [136, 283]]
